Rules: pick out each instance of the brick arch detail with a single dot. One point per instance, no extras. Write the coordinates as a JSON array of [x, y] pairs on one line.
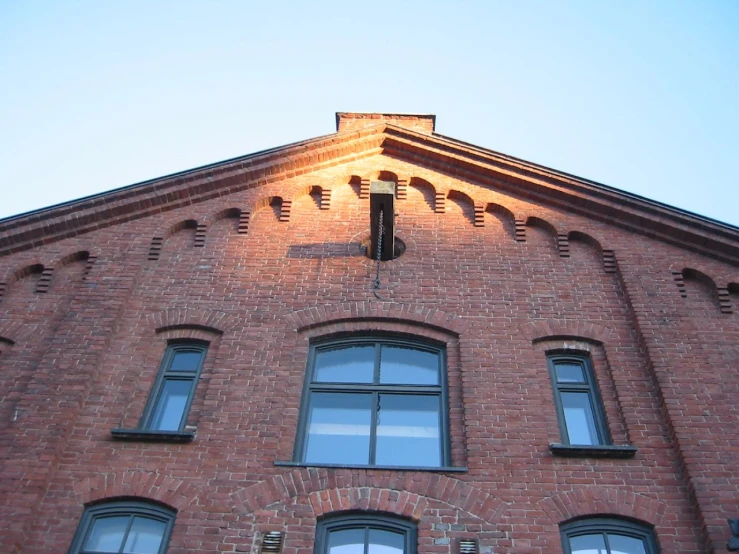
[[226, 211], [12, 276], [141, 484], [570, 328], [15, 331], [213, 320], [598, 501], [309, 318], [327, 493]]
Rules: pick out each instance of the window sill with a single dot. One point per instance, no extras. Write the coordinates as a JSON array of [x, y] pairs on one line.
[[439, 469], [593, 451], [152, 436]]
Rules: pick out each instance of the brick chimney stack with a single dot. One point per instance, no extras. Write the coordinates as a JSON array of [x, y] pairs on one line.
[[352, 121]]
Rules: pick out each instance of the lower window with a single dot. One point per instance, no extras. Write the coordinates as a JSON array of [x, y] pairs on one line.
[[123, 528], [365, 535], [607, 536]]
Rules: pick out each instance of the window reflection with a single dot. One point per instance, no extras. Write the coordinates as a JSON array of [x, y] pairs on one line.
[[374, 402]]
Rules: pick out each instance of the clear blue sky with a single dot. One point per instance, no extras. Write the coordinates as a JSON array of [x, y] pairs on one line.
[[639, 95]]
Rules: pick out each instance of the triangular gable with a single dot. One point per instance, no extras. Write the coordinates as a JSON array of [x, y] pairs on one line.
[[422, 147]]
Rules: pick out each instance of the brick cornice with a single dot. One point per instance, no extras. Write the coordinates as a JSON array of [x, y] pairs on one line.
[[452, 157], [543, 185], [191, 187]]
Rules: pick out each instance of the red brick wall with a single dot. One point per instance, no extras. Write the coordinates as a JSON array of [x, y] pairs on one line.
[[500, 284]]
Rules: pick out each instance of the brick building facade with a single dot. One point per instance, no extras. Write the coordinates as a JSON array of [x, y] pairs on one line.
[[548, 365]]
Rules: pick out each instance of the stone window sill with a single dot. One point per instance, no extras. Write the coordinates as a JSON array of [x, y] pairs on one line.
[[593, 451], [439, 469], [152, 436]]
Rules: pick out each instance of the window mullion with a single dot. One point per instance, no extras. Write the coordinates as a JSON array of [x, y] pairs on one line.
[[366, 540], [378, 361], [607, 543], [125, 535], [373, 426]]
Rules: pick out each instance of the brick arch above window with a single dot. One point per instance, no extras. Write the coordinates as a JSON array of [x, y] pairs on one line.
[[212, 321], [143, 485], [349, 314], [381, 492], [553, 329], [601, 501]]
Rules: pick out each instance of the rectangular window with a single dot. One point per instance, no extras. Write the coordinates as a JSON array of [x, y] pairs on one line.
[[579, 409], [376, 402], [173, 391]]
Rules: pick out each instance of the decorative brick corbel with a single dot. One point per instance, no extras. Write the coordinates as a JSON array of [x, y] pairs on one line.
[[401, 189], [680, 282], [609, 261], [440, 202], [88, 266], [155, 248], [563, 245], [325, 199], [364, 188], [479, 215], [45, 280], [200, 235], [285, 209], [724, 300], [244, 223], [520, 227]]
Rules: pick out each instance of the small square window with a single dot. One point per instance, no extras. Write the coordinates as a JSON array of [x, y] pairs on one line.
[[374, 402]]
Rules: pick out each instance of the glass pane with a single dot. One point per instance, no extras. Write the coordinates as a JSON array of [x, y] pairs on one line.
[[569, 373], [408, 366], [353, 364], [171, 404], [107, 534], [579, 418], [185, 361], [408, 432], [386, 542], [347, 541], [621, 544], [588, 544], [145, 536], [339, 428]]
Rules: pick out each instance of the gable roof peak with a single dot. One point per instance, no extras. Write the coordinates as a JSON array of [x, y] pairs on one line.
[[354, 121]]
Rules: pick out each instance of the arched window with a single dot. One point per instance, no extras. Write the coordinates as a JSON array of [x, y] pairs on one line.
[[123, 527], [374, 401], [365, 534], [607, 536]]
